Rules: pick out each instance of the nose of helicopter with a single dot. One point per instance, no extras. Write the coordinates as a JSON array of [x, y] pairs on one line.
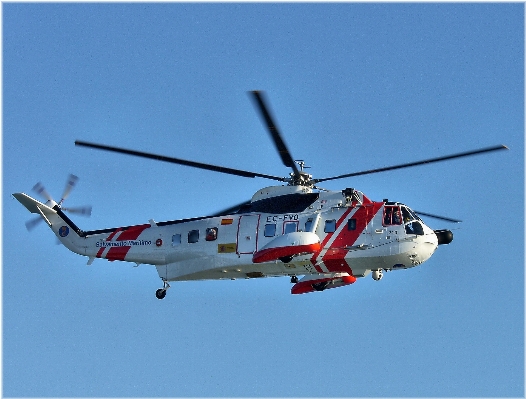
[[444, 236], [427, 244]]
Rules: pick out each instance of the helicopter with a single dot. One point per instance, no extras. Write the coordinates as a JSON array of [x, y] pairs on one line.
[[319, 238]]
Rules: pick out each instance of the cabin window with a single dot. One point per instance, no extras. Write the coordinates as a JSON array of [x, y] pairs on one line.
[[193, 236], [351, 224], [330, 226], [211, 234], [290, 227], [392, 215], [270, 230], [176, 240], [308, 224]]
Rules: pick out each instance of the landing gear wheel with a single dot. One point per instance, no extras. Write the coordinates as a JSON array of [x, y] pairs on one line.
[[161, 292], [293, 279], [286, 259], [377, 275]]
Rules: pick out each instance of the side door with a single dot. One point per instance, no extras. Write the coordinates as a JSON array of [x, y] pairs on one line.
[[247, 234]]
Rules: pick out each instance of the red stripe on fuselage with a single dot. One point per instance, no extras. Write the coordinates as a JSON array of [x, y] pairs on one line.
[[110, 237], [327, 238], [132, 233], [334, 258]]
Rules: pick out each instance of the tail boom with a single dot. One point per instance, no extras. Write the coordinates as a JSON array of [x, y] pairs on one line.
[[111, 244]]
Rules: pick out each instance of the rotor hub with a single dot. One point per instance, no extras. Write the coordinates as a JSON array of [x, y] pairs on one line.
[[300, 179]]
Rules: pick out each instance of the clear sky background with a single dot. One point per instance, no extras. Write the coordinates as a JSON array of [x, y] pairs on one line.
[[353, 87]]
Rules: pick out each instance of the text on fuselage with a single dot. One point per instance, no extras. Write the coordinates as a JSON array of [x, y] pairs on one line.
[[285, 218]]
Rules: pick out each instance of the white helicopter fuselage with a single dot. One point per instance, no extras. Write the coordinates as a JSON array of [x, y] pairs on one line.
[[284, 231], [331, 238]]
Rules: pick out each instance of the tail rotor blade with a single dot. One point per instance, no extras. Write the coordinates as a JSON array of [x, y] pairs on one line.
[[41, 190], [31, 224], [80, 210], [72, 180]]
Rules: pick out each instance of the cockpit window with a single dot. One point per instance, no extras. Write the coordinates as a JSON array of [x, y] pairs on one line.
[[414, 214], [406, 215], [392, 215], [414, 228]]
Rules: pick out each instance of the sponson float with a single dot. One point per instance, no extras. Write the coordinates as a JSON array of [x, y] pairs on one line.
[[321, 239]]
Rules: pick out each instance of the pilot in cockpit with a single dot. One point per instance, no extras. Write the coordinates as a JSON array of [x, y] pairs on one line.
[[396, 217]]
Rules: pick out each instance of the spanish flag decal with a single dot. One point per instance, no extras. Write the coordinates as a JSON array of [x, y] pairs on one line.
[[226, 221]]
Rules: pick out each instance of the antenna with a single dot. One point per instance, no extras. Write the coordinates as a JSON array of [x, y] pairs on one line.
[[301, 163]]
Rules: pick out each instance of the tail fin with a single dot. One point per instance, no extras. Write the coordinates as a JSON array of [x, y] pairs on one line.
[[49, 211], [31, 204]]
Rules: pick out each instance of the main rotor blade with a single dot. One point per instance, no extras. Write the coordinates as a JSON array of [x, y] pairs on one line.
[[283, 151], [426, 161], [178, 161], [231, 210], [438, 217]]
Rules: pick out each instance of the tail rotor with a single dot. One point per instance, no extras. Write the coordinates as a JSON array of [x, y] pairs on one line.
[[43, 193]]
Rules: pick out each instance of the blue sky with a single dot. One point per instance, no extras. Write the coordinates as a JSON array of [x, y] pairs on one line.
[[352, 87]]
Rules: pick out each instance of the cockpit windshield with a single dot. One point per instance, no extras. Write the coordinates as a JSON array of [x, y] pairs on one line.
[[413, 224], [406, 215], [409, 214]]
